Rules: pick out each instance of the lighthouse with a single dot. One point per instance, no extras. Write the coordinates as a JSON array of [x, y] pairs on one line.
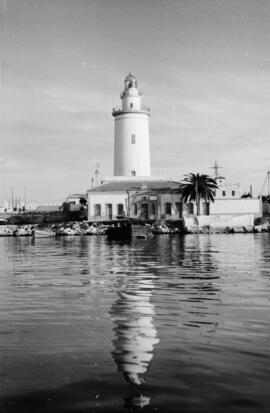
[[131, 133]]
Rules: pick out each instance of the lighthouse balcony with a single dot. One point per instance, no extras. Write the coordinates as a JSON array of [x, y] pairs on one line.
[[143, 109]]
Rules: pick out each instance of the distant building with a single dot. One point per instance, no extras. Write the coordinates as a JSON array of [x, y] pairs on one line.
[[227, 190], [229, 209], [73, 201]]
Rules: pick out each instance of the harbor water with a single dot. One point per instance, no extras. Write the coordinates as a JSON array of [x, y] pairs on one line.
[[168, 324]]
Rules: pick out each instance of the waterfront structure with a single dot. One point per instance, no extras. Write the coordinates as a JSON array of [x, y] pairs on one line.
[[161, 200], [142, 199], [131, 133], [133, 192]]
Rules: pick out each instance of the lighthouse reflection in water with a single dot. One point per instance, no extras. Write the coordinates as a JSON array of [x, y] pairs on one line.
[[133, 314]]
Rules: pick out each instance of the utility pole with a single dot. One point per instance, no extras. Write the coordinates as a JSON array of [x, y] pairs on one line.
[[12, 199], [25, 197], [266, 179], [98, 175], [128, 204], [197, 197], [216, 167]]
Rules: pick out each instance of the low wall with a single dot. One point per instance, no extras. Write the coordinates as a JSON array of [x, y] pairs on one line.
[[224, 221], [35, 217], [240, 206], [220, 221]]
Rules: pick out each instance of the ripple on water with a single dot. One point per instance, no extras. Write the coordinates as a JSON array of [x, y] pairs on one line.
[[187, 314]]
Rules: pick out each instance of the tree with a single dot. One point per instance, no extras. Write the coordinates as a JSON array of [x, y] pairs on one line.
[[83, 202], [195, 187], [246, 195]]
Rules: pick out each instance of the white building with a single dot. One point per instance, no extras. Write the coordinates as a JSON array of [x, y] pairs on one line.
[[227, 190], [140, 198], [131, 133]]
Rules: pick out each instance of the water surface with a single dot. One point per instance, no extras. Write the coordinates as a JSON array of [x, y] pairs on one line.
[[167, 324]]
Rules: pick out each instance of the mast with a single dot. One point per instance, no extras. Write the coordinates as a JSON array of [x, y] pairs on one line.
[[216, 167], [25, 197], [266, 180]]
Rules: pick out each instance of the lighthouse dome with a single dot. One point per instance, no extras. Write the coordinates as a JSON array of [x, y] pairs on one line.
[[130, 76], [130, 81]]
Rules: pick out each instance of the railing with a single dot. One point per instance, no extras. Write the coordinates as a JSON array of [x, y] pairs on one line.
[[143, 108]]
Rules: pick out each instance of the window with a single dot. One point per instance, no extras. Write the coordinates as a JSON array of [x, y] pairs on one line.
[[179, 208], [108, 209], [135, 209], [205, 208], [153, 209], [133, 173], [97, 210], [168, 208], [133, 139], [120, 209], [131, 105], [223, 193], [190, 208], [233, 193]]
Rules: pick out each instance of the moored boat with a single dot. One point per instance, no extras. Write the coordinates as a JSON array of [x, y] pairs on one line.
[[120, 231], [39, 233]]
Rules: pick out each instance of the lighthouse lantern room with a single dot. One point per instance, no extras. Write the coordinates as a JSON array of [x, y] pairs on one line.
[[131, 133]]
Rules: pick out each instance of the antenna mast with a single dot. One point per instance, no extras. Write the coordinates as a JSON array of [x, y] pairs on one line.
[[266, 179], [97, 178], [216, 167]]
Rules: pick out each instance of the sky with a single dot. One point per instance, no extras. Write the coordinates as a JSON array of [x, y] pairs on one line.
[[203, 67]]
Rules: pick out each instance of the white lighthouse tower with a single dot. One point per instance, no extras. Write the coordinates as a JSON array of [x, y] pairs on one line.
[[131, 133]]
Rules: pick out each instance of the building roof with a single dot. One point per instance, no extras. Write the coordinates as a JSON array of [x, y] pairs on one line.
[[133, 185], [76, 196]]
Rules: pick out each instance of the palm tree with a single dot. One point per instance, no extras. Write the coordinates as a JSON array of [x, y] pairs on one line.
[[83, 202], [195, 187]]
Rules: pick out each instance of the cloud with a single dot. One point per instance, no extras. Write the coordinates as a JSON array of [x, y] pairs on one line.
[[204, 71]]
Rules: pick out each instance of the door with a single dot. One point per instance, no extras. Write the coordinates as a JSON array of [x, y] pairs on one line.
[[109, 211], [144, 211]]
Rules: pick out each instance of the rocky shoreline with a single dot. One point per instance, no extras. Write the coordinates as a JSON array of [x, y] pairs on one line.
[[88, 228]]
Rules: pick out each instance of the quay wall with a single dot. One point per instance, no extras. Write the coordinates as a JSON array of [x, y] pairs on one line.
[[44, 217]]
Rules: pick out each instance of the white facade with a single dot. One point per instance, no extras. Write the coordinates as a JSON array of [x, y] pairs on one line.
[[106, 206], [74, 199], [226, 212], [227, 189], [131, 133], [141, 199], [236, 206]]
